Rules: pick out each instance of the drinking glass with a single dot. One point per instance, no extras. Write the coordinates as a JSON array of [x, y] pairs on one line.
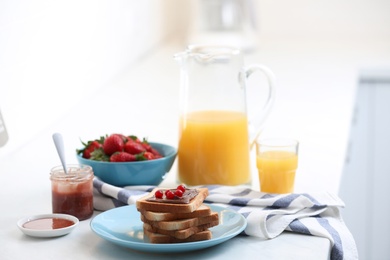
[[277, 162]]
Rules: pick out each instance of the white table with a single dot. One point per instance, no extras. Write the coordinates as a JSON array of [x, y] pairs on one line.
[[314, 104], [26, 191]]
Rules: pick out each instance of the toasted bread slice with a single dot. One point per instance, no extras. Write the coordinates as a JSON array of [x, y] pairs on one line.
[[156, 238], [191, 206], [180, 234], [182, 223], [202, 211]]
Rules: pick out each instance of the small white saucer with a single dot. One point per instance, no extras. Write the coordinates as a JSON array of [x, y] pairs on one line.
[[47, 232]]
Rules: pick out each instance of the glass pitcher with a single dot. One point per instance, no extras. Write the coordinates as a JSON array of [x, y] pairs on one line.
[[215, 135]]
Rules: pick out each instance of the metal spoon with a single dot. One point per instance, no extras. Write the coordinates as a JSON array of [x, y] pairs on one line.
[[59, 143]]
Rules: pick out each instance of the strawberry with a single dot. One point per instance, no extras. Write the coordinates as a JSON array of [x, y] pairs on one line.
[[148, 156], [125, 148], [149, 148], [133, 147], [146, 145], [134, 138], [89, 147], [113, 143], [99, 155], [125, 138], [155, 153], [122, 157]]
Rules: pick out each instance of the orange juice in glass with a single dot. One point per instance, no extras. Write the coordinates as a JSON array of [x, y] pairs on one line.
[[277, 161], [214, 148]]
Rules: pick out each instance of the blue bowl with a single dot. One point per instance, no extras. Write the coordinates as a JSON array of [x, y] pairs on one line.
[[150, 172]]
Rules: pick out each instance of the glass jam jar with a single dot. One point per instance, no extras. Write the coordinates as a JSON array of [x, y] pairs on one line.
[[72, 192]]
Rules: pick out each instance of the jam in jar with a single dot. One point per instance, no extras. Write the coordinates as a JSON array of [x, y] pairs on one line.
[[72, 192]]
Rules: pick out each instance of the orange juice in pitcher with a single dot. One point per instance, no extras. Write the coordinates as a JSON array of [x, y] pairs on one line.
[[215, 133], [214, 148]]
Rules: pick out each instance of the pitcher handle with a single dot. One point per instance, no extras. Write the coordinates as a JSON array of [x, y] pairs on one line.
[[256, 127]]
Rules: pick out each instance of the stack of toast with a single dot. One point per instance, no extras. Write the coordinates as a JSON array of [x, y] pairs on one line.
[[175, 220]]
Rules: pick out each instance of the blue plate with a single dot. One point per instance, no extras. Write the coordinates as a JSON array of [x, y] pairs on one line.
[[123, 226]]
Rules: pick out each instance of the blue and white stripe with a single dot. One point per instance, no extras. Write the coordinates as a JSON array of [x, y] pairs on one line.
[[267, 215]]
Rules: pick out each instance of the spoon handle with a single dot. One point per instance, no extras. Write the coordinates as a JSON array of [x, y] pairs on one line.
[[59, 143]]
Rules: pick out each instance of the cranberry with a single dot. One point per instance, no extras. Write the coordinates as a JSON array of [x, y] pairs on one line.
[[170, 195], [179, 193], [159, 194], [182, 188]]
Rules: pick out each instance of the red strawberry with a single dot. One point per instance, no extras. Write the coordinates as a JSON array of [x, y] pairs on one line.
[[91, 146], [99, 155], [125, 138], [155, 153], [147, 146], [148, 156], [113, 143], [122, 157], [133, 147], [134, 138]]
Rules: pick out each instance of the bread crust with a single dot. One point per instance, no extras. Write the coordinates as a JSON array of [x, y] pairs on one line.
[[143, 204], [202, 211], [180, 234], [156, 238], [183, 223]]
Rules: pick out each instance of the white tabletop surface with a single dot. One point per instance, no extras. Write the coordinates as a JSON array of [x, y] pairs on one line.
[[315, 97]]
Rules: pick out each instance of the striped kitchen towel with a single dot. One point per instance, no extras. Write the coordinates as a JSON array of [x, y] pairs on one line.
[[267, 215]]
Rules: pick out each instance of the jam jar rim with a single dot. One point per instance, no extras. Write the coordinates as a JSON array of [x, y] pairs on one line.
[[57, 173]]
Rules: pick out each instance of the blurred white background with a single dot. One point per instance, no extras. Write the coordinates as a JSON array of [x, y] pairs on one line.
[[54, 54]]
